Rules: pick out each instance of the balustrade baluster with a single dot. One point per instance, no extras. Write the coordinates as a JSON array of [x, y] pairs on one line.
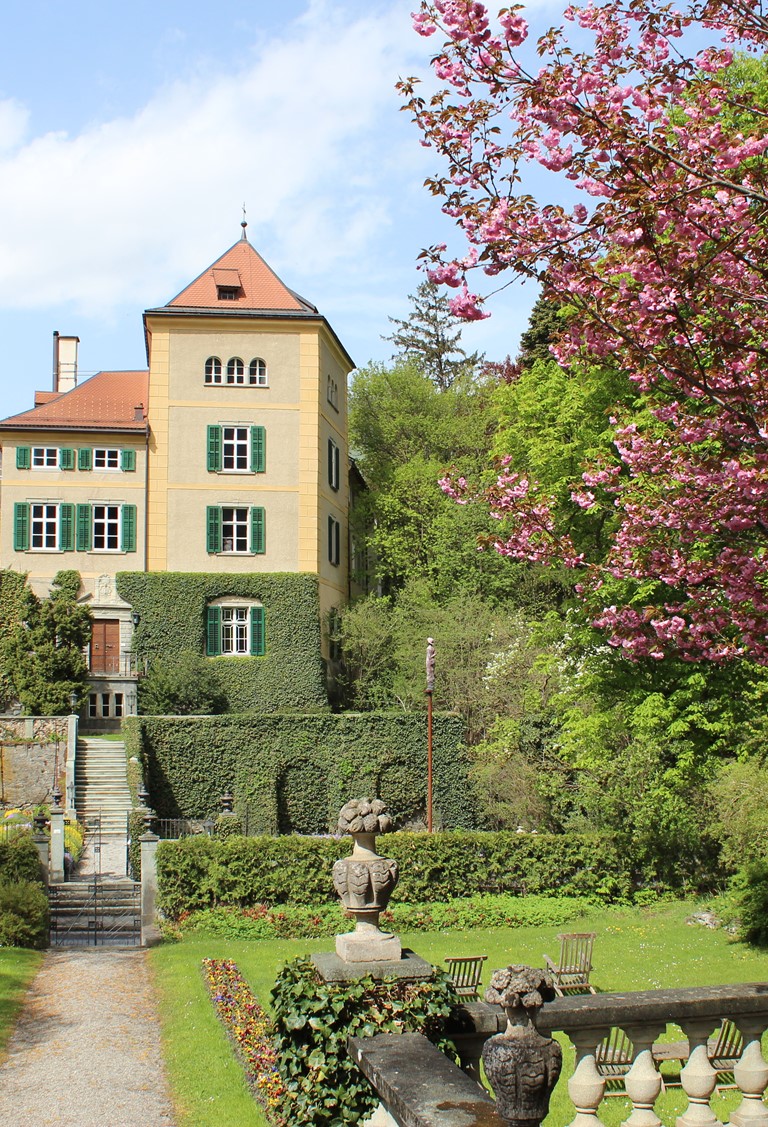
[[698, 1077], [751, 1074], [586, 1086], [643, 1082]]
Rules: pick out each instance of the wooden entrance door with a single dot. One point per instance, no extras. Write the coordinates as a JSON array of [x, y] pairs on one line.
[[105, 646]]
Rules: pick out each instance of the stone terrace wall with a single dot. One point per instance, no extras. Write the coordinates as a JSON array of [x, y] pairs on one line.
[[28, 754]]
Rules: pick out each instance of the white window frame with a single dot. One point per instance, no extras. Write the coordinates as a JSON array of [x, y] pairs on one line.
[[107, 455], [235, 639], [212, 370], [49, 455], [111, 527], [258, 375], [238, 524], [235, 449], [235, 371], [41, 519]]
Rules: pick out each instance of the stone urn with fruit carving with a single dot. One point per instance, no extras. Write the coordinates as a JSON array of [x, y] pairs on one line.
[[521, 1064], [365, 881]]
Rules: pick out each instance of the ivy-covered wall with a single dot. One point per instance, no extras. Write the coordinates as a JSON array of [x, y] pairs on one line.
[[290, 675], [292, 773]]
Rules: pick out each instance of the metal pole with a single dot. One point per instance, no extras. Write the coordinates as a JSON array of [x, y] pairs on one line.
[[430, 690]]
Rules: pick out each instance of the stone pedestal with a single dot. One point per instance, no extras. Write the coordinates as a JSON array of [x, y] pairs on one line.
[[57, 844], [408, 967], [150, 933]]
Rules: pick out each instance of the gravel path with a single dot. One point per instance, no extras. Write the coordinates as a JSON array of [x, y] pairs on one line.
[[86, 1050]]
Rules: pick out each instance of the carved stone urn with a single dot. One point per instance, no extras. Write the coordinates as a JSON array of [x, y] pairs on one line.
[[365, 881], [521, 1064]]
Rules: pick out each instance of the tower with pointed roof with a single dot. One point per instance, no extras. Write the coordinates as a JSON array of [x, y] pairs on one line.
[[247, 408], [228, 457]]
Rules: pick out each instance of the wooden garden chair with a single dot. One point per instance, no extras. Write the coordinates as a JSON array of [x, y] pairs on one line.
[[613, 1060], [570, 974], [465, 974], [725, 1053]]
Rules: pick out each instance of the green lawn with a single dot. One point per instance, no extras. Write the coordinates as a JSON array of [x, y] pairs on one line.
[[17, 968], [635, 950]]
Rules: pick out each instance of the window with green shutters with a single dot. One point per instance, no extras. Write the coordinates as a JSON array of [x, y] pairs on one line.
[[21, 526], [333, 464], [67, 459], [232, 449], [23, 457], [128, 461], [334, 541], [84, 458], [227, 530], [235, 630]]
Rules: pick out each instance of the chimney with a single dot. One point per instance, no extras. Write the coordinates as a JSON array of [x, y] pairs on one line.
[[64, 362], [138, 413]]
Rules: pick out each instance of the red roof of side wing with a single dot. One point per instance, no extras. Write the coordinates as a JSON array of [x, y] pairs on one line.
[[106, 401]]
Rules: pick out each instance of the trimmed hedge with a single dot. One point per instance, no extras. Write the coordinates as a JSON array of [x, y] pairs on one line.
[[23, 915], [198, 873], [293, 773], [291, 675]]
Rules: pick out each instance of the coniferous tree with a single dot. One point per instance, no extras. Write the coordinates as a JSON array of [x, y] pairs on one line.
[[431, 337]]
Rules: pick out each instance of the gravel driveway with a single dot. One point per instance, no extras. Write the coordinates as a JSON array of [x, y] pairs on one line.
[[86, 1050]]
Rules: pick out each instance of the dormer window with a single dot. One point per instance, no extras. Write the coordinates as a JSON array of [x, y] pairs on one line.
[[229, 287]]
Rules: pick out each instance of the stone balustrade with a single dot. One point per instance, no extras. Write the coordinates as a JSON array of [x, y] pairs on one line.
[[644, 1017]]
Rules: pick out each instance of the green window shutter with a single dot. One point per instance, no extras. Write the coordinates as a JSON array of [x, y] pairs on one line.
[[213, 525], [213, 631], [129, 527], [258, 638], [214, 450], [20, 526], [84, 458], [83, 528], [128, 461], [258, 449], [66, 527], [23, 457], [66, 459], [258, 530]]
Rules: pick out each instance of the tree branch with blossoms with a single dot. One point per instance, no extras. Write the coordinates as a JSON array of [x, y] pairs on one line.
[[663, 262]]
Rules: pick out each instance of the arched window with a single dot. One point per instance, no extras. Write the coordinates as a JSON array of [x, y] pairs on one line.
[[213, 370], [236, 627], [257, 372], [235, 370]]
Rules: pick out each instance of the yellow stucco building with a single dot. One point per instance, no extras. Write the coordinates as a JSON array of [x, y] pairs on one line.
[[228, 456]]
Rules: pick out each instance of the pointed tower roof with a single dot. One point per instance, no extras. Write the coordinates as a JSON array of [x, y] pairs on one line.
[[240, 281]]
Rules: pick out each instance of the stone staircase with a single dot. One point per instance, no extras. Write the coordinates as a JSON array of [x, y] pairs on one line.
[[101, 785], [95, 913]]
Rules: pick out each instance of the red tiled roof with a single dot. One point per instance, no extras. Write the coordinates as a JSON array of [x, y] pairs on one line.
[[240, 266], [106, 401]]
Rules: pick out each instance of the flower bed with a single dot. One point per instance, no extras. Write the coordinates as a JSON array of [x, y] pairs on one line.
[[250, 1031]]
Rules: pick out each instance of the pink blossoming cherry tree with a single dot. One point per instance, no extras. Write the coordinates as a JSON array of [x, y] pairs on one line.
[[661, 258]]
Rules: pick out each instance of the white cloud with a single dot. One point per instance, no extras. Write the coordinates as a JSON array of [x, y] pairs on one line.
[[305, 132]]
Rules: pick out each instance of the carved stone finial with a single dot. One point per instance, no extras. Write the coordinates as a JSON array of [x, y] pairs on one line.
[[365, 881], [522, 1066]]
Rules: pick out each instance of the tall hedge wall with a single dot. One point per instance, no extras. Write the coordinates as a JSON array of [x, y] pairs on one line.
[[203, 872], [292, 773], [290, 675]]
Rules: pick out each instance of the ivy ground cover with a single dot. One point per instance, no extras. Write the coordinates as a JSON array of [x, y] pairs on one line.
[[635, 949]]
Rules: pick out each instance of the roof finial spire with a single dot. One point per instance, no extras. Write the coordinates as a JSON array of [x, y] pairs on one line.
[[244, 224]]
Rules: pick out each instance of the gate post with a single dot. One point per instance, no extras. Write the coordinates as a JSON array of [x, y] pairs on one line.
[[57, 843], [150, 933]]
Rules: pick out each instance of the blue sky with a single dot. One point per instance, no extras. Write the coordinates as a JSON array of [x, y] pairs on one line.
[[132, 134]]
